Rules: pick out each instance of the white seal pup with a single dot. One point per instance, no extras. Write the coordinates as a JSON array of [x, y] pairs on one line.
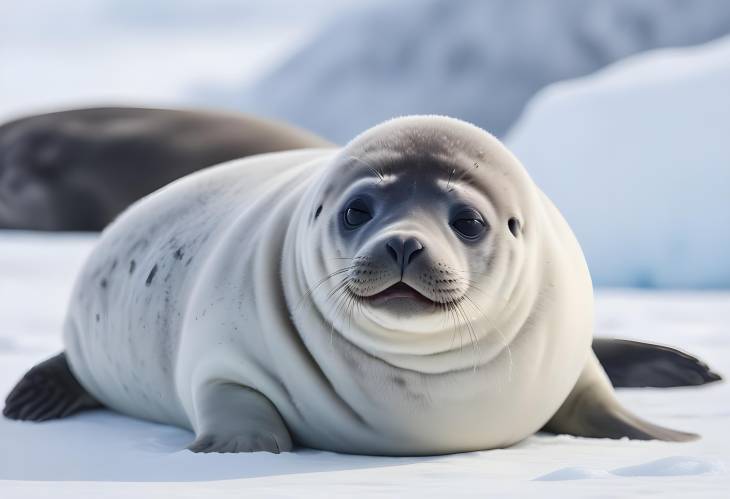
[[411, 293]]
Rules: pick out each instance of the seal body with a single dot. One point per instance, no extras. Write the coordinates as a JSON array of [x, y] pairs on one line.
[[208, 278], [78, 169], [411, 293]]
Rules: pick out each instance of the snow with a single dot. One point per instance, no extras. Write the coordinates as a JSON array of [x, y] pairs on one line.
[[637, 159], [572, 473], [102, 454], [668, 466], [475, 60], [672, 466]]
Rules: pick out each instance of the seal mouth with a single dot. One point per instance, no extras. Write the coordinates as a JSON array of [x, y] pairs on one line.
[[396, 292]]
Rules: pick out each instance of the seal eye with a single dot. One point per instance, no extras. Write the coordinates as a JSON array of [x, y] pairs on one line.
[[356, 214], [468, 224]]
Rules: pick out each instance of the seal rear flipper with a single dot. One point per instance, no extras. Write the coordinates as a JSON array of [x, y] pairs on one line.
[[48, 391], [592, 410], [630, 364]]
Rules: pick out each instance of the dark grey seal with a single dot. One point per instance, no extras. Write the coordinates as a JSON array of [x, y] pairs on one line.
[[76, 170]]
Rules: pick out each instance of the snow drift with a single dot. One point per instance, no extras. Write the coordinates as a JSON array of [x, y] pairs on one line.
[[475, 60], [637, 158]]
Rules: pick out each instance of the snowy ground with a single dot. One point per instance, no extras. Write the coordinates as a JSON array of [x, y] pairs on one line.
[[104, 454]]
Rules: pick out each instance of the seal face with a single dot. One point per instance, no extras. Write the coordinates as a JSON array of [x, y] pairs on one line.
[[417, 228], [412, 293]]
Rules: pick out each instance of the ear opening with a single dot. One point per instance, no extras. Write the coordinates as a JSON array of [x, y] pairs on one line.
[[514, 226]]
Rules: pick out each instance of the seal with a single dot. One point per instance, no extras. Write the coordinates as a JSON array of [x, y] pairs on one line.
[[78, 169], [412, 293]]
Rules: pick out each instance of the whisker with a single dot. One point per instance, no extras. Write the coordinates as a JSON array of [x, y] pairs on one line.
[[338, 305], [451, 176], [464, 174], [310, 292], [499, 331], [473, 338], [373, 170]]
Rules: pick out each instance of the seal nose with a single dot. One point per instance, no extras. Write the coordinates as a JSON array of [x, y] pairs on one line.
[[403, 249]]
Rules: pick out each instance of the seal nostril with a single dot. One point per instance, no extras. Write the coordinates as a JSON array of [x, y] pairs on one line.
[[392, 252], [414, 253], [411, 248]]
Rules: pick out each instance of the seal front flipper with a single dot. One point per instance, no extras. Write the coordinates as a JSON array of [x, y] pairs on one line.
[[592, 410], [235, 418], [48, 391], [635, 364]]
